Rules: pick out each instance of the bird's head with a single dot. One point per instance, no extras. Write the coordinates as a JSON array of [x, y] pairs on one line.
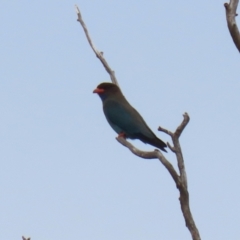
[[105, 90]]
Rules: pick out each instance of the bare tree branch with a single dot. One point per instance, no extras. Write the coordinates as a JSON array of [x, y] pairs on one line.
[[231, 13], [181, 127], [23, 238], [99, 55], [171, 147], [150, 155], [165, 131], [180, 180], [183, 186], [177, 147]]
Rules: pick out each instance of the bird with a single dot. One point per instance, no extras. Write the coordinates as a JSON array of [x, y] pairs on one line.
[[123, 118]]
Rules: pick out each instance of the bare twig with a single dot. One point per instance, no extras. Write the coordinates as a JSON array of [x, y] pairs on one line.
[[177, 147], [182, 125], [165, 131], [99, 55], [23, 238], [231, 13]]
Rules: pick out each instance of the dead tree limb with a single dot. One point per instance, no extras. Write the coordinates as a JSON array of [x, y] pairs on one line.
[[231, 13], [182, 184], [179, 179], [150, 155], [23, 238], [99, 54]]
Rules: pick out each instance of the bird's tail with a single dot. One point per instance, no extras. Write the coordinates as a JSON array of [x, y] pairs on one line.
[[156, 142]]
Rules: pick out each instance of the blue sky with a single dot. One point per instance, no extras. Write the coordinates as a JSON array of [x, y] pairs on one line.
[[63, 175]]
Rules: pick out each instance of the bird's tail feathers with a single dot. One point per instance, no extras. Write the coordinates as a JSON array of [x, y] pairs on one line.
[[156, 142]]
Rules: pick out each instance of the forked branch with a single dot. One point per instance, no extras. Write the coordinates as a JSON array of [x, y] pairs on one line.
[[231, 13], [179, 179], [151, 155]]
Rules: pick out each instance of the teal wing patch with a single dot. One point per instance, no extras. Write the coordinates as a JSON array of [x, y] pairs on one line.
[[124, 118]]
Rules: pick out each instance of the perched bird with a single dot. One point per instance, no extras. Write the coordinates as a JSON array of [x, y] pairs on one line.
[[123, 118]]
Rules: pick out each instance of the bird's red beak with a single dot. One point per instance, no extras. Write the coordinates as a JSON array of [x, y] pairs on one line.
[[98, 90]]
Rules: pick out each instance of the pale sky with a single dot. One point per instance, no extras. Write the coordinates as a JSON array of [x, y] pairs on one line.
[[63, 175]]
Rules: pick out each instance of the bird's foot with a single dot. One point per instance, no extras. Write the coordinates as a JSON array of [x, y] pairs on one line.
[[122, 134]]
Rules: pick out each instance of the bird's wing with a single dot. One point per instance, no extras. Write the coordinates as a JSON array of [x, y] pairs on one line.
[[123, 116]]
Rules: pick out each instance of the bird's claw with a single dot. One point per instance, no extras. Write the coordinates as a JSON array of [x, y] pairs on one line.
[[122, 135]]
